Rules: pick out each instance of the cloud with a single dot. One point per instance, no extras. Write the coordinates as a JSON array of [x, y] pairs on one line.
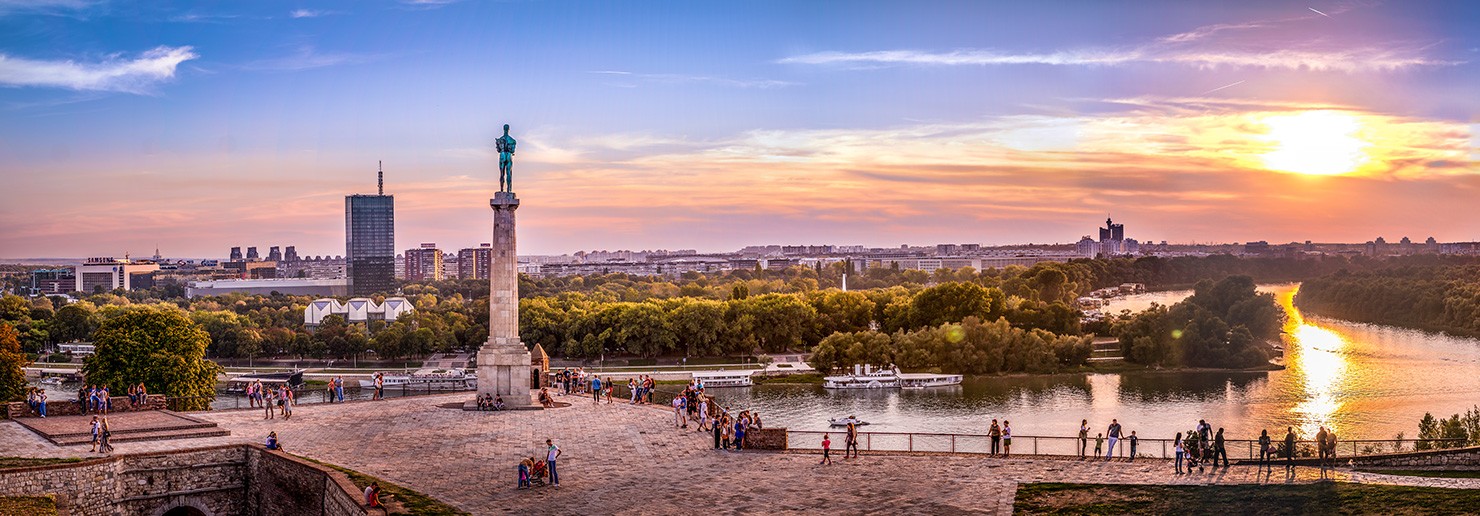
[[309, 13], [307, 58], [51, 7], [428, 4], [125, 75], [673, 78]]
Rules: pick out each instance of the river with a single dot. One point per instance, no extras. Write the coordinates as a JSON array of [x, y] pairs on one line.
[[1365, 381]]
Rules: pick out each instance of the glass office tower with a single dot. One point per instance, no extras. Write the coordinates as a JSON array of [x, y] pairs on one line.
[[370, 243]]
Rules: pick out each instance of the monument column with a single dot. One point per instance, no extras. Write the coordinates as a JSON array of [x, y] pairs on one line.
[[503, 361]]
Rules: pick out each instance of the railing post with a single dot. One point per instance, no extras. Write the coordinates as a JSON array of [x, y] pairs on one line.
[[1035, 445], [868, 442], [912, 442], [953, 443]]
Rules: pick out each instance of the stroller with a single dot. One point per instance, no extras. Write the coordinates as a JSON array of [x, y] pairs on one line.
[[538, 473]]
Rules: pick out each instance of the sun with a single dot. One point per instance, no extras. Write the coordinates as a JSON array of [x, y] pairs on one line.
[[1316, 143]]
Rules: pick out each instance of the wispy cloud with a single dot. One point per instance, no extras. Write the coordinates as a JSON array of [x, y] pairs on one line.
[[428, 4], [52, 7], [138, 75], [307, 58], [673, 78], [309, 13]]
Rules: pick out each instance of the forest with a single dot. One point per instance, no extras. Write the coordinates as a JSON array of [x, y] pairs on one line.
[[1432, 298]]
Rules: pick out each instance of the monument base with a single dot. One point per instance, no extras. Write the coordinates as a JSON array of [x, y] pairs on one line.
[[503, 370]]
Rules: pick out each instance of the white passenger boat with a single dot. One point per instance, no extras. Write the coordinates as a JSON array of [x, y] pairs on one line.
[[843, 421], [864, 377], [723, 378], [923, 380], [431, 379]]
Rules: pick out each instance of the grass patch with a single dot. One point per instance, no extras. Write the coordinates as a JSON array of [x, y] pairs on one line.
[[799, 378], [28, 505], [26, 462], [1319, 498], [414, 501], [1425, 473]]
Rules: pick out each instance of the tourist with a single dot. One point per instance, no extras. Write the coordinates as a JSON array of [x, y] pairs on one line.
[[285, 401], [97, 434], [372, 493], [648, 388], [143, 394], [379, 386], [105, 400], [755, 421], [1219, 450], [596, 389], [679, 420], [254, 393], [545, 400], [339, 388], [106, 445], [1177, 445], [329, 391], [1204, 430], [632, 391], [526, 466], [41, 402], [1084, 437], [716, 426], [740, 432], [1264, 450], [1321, 446], [1290, 448], [1330, 445], [267, 402], [1113, 434], [1133, 440], [498, 402], [850, 442], [703, 414], [82, 399], [826, 451], [996, 433], [1006, 438], [552, 453], [609, 385], [31, 398], [1099, 443], [272, 442]]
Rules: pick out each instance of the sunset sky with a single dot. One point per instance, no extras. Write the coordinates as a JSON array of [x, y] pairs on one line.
[[714, 125]]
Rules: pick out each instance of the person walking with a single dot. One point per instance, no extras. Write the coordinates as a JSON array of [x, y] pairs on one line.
[[97, 434], [1177, 445], [1264, 451], [1133, 440], [107, 440], [1113, 433], [1289, 448], [1006, 438], [995, 432], [1084, 437], [551, 453], [1219, 450], [826, 451], [850, 442]]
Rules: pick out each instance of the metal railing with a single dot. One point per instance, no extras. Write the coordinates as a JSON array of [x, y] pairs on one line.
[[303, 396], [1238, 449]]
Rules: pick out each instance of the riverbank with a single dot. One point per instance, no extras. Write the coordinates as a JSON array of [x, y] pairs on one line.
[[1316, 498]]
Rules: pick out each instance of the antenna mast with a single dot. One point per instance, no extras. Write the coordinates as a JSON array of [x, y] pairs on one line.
[[380, 177]]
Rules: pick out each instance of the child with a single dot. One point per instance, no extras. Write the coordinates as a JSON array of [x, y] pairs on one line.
[[525, 466], [826, 450], [1099, 441]]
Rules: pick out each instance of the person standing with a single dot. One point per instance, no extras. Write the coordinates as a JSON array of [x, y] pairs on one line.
[[97, 434], [1099, 443], [1132, 439], [1290, 448], [41, 402], [107, 439], [740, 424], [1219, 450], [1113, 433], [826, 451], [1177, 445], [850, 442], [380, 386], [551, 453], [596, 389], [525, 466], [678, 419], [339, 388], [632, 391], [1006, 438], [1330, 442], [718, 427], [1321, 447], [1264, 452], [267, 403], [1084, 437], [703, 412], [995, 432]]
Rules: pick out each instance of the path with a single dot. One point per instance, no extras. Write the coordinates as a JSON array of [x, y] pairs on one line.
[[625, 459]]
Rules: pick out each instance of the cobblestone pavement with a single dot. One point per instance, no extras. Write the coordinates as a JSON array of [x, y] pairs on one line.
[[624, 459]]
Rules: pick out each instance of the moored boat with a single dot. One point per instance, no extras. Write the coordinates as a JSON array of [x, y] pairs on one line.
[[723, 378], [430, 379]]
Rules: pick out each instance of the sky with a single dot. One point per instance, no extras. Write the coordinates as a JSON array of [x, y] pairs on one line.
[[193, 127]]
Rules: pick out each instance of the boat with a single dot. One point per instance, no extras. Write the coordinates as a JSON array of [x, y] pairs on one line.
[[864, 377], [430, 379], [51, 380], [238, 384], [924, 380], [843, 421], [723, 378]]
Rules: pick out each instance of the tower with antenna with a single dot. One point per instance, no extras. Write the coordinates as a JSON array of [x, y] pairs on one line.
[[379, 178], [370, 239]]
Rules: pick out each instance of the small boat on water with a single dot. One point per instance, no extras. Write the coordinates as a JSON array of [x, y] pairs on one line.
[[430, 379], [843, 421], [723, 378], [51, 380]]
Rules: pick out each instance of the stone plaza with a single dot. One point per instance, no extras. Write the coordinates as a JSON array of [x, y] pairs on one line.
[[620, 458]]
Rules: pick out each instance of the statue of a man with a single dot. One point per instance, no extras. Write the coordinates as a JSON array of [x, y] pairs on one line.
[[505, 146]]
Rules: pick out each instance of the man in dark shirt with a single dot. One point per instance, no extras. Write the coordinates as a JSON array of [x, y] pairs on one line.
[[1219, 450], [1290, 448]]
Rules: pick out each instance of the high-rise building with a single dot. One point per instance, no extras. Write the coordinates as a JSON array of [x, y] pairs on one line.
[[236, 253], [424, 264], [370, 242], [290, 254], [106, 274], [274, 254], [1112, 238], [472, 263], [252, 254]]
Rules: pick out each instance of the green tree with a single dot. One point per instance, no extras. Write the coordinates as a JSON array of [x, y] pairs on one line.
[[74, 322], [159, 347], [954, 302], [12, 376]]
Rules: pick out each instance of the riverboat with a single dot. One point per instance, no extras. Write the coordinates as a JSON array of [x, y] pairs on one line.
[[430, 379], [238, 385], [864, 377], [924, 380], [723, 378]]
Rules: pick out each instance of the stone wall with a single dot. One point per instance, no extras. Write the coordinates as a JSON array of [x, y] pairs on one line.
[[766, 439], [1454, 459], [219, 481], [16, 409]]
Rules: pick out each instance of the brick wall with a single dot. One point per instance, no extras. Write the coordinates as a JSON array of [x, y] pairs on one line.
[[767, 439]]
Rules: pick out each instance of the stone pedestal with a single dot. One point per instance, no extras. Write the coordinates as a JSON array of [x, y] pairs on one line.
[[503, 361]]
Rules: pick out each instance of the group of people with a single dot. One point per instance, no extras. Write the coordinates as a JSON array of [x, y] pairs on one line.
[[36, 399], [137, 395], [1115, 434], [693, 405], [532, 470], [1200, 447], [573, 381], [494, 402], [641, 389], [599, 389], [94, 399], [102, 435], [733, 431], [334, 391], [282, 399]]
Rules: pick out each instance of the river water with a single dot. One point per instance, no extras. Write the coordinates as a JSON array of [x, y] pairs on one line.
[[1365, 381]]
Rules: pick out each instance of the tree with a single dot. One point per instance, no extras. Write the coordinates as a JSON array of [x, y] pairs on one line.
[[159, 347], [954, 302], [12, 376], [74, 322]]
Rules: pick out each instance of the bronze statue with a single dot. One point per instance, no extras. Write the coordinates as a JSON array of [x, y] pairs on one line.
[[505, 146]]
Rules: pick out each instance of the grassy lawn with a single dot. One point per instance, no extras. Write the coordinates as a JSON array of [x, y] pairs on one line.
[[1322, 498], [28, 505], [414, 502], [22, 462], [1426, 473]]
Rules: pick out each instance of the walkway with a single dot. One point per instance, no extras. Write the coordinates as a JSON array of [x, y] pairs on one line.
[[624, 459]]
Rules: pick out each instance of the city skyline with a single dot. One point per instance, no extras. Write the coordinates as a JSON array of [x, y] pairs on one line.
[[132, 126]]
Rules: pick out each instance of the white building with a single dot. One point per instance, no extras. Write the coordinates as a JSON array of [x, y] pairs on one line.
[[360, 309], [111, 274]]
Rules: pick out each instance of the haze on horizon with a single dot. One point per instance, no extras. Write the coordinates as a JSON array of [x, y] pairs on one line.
[[130, 125]]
